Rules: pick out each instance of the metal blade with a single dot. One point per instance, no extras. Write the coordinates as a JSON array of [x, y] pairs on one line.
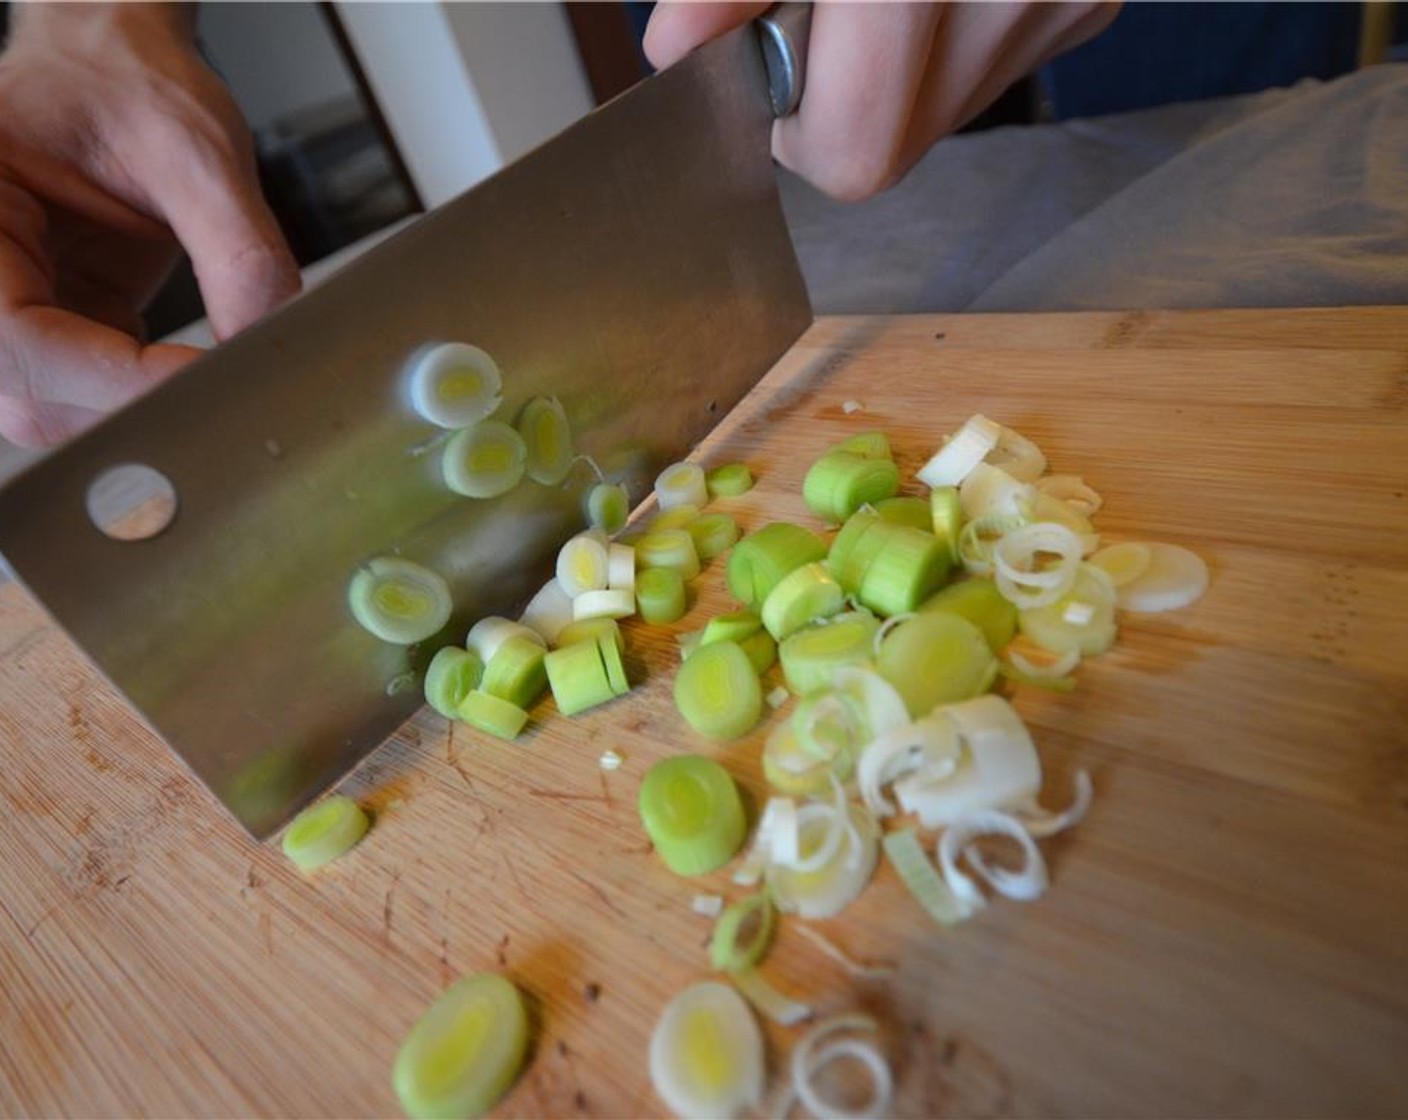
[[637, 267]]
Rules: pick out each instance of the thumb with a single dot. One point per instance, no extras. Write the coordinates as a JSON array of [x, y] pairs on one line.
[[677, 27], [242, 262]]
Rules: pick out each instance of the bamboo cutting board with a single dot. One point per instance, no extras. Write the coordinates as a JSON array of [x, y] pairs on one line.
[[1224, 934]]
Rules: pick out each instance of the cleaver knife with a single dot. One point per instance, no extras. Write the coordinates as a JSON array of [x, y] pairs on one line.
[[636, 267]]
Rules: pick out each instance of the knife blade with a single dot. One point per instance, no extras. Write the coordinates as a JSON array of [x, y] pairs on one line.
[[636, 267]]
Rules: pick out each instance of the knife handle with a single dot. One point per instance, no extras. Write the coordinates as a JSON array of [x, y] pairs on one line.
[[782, 33]]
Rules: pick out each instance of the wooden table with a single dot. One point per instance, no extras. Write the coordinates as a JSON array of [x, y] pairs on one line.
[[1226, 934]]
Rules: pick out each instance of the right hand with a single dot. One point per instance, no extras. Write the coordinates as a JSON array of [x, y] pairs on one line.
[[118, 146]]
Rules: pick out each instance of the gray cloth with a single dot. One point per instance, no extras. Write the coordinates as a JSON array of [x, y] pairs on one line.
[[1292, 197]]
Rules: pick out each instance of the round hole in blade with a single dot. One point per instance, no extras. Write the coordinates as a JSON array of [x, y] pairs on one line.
[[131, 502]]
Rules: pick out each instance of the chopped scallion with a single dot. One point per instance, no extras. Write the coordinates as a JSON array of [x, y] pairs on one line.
[[742, 934], [516, 673], [980, 602], [668, 548], [492, 714], [660, 595], [706, 1054], [577, 676], [453, 674], [811, 655], [484, 461], [840, 482], [936, 658], [465, 1051], [760, 560], [913, 512], [729, 480], [681, 484], [802, 596], [714, 534], [692, 813], [324, 831], [455, 385], [547, 440], [717, 691], [399, 601], [918, 873], [608, 506]]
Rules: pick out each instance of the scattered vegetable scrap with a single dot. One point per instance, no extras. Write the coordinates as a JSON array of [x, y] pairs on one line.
[[890, 636]]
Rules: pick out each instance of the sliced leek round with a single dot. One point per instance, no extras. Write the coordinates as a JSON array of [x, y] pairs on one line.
[[682, 484], [583, 564], [455, 385], [547, 440], [324, 831], [484, 461], [706, 1054], [465, 1051], [1174, 578], [399, 601]]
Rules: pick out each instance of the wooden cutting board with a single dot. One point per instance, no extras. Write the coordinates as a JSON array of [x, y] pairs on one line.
[[1225, 935]]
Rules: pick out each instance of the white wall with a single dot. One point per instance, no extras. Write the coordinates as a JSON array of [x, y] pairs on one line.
[[275, 57], [467, 87]]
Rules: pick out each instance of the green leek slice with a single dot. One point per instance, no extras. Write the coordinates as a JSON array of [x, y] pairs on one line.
[[608, 506], [455, 385], [840, 482], [577, 676], [465, 1050], [547, 440], [1051, 626], [801, 597], [614, 602], [718, 693], [861, 539], [489, 633], [912, 565], [484, 461], [760, 560], [714, 534], [582, 564], [922, 879], [913, 512], [692, 813], [810, 656], [668, 548], [729, 480], [498, 717], [399, 601], [324, 831], [516, 673], [706, 1054], [682, 484], [735, 946], [868, 445], [660, 595], [733, 627], [934, 659], [453, 674], [676, 517], [981, 603], [589, 629], [760, 650], [946, 518]]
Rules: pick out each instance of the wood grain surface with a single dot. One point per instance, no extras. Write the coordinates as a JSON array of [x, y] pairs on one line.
[[1225, 935]]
